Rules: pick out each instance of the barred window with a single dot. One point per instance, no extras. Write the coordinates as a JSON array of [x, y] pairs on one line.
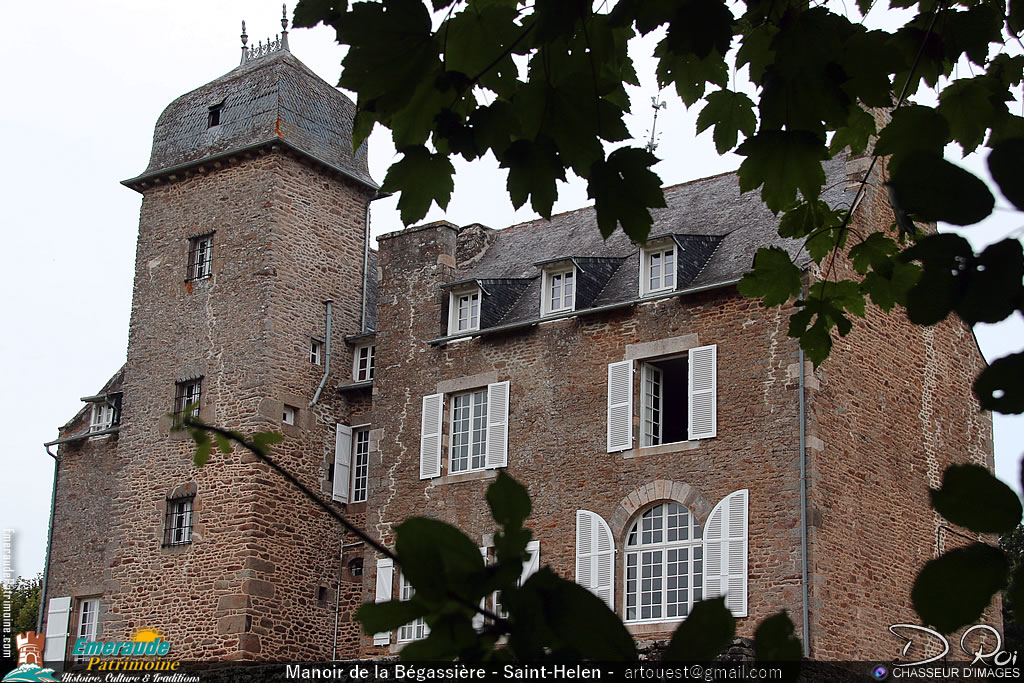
[[187, 394], [200, 257], [178, 521]]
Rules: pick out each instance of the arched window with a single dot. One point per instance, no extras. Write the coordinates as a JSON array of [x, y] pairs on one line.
[[664, 564]]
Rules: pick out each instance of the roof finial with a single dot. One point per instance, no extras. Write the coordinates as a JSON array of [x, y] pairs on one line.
[[245, 41], [284, 27]]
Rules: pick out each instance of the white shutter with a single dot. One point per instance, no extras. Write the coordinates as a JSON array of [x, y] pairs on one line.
[[702, 405], [725, 552], [478, 618], [497, 425], [595, 556], [620, 406], [342, 462], [58, 620], [532, 562], [385, 580], [430, 436]]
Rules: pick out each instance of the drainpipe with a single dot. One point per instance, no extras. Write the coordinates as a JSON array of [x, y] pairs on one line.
[[366, 264], [49, 543], [327, 362], [803, 511]]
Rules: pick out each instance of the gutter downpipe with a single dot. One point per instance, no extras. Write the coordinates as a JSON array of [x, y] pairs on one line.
[[327, 353], [803, 511], [49, 544]]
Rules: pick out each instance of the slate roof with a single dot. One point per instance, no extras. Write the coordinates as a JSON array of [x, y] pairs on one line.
[[717, 231], [273, 98]]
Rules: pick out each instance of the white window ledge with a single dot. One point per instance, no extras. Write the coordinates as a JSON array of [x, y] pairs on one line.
[[661, 449], [650, 628], [479, 475]]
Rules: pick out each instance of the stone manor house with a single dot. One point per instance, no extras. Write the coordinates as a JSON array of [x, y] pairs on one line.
[[674, 441]]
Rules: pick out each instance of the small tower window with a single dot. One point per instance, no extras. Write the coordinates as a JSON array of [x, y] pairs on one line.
[[213, 116]]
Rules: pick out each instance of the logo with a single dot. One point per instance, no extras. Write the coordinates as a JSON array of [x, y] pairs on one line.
[[30, 660], [995, 656], [879, 673], [147, 642]]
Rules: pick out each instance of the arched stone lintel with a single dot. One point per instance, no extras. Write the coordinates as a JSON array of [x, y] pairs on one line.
[[657, 491]]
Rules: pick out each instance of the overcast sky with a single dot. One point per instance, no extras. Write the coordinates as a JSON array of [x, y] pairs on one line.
[[85, 83]]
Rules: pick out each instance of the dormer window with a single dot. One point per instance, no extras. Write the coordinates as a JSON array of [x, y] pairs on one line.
[[658, 268], [213, 115], [464, 311], [558, 293]]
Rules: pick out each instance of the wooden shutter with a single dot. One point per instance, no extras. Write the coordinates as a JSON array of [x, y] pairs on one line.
[[342, 462], [532, 562], [497, 425], [430, 436], [385, 581], [620, 406], [725, 552], [702, 410], [595, 556], [58, 620]]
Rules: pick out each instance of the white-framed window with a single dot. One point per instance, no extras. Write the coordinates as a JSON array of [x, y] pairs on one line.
[[478, 424], [102, 417], [200, 257], [363, 364], [664, 565], [88, 620], [288, 415], [558, 292], [678, 399], [468, 443], [188, 393], [414, 630], [493, 602], [360, 464], [464, 311], [658, 268], [316, 352], [178, 521]]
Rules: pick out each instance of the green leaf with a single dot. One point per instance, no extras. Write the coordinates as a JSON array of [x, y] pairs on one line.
[[509, 502], [993, 287], [999, 386], [890, 282], [422, 178], [953, 590], [1015, 594], [262, 441], [856, 134], [971, 497], [533, 167], [872, 251], [559, 607], [223, 443], [377, 617], [756, 50], [309, 13], [938, 290], [774, 278], [1015, 22], [809, 217], [932, 189], [700, 26], [437, 558], [914, 128], [967, 104], [690, 73], [623, 189], [775, 640], [474, 41], [1006, 163], [707, 631], [731, 113], [202, 454], [782, 163]]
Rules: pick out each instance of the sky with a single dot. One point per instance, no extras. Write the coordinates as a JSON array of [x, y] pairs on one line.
[[84, 85]]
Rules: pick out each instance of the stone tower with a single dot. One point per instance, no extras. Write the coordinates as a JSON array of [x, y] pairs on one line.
[[250, 268]]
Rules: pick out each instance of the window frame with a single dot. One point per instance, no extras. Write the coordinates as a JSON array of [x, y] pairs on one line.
[[693, 544], [648, 368], [179, 521], [550, 274], [200, 257], [358, 440], [477, 425], [416, 629], [187, 392], [454, 309], [361, 353], [658, 248], [316, 352], [88, 630], [103, 417], [287, 412]]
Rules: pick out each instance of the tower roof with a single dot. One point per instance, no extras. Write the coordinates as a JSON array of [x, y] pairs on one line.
[[273, 98]]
